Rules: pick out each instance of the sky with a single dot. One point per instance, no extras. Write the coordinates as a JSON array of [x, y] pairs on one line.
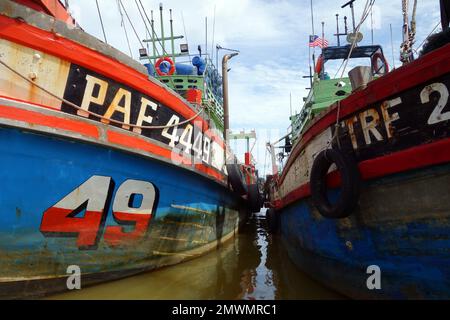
[[272, 37]]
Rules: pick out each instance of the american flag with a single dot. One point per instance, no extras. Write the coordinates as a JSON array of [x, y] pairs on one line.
[[315, 41]]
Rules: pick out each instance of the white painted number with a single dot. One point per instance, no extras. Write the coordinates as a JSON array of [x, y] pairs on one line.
[[437, 115], [173, 137]]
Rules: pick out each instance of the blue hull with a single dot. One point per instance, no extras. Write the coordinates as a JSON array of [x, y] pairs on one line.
[[402, 226], [192, 214]]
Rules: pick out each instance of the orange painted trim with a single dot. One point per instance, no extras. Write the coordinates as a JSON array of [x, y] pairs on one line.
[[140, 144], [38, 118], [210, 171], [19, 32]]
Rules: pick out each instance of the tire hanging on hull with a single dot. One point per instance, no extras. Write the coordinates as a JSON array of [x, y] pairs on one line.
[[350, 184], [254, 198], [236, 179]]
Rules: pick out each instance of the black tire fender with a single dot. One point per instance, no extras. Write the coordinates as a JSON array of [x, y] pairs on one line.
[[236, 179], [350, 184], [254, 198]]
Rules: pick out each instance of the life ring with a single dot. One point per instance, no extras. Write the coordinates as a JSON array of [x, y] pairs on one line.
[[158, 65], [319, 64], [376, 69], [254, 198], [236, 179], [350, 184]]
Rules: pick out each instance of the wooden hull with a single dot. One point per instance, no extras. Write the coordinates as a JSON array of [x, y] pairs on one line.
[[398, 130], [402, 225]]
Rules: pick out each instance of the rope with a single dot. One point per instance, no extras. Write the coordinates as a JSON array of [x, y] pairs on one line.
[[93, 113], [423, 42], [365, 15]]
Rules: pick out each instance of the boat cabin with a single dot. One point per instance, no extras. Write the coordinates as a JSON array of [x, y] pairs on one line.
[[329, 85]]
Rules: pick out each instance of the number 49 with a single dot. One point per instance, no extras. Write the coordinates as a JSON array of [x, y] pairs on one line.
[[93, 197]]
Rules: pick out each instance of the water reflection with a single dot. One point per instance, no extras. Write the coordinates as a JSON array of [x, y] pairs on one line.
[[253, 266]]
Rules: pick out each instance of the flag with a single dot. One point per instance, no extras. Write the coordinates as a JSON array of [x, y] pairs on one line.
[[315, 41]]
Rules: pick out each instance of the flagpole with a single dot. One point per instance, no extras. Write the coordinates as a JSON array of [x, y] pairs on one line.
[[313, 33], [323, 34]]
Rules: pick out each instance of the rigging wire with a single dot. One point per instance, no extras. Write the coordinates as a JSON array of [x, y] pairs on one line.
[[101, 21], [154, 36], [131, 23], [185, 34], [213, 35], [365, 15], [164, 51], [423, 42], [122, 23]]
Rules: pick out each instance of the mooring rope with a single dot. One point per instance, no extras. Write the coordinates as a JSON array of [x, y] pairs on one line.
[[95, 114]]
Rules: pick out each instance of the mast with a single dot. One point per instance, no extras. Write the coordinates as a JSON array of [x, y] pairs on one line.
[[226, 111], [172, 39], [153, 37], [162, 30], [313, 33]]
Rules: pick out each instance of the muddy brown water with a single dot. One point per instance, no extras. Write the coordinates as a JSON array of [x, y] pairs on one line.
[[252, 266]]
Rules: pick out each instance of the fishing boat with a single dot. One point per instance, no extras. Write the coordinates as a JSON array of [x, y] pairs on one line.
[[361, 203], [110, 167]]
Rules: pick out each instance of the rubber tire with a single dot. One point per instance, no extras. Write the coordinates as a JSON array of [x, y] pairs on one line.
[[350, 184], [272, 221], [254, 198], [236, 179]]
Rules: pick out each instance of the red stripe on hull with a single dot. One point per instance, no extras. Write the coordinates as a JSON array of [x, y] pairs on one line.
[[414, 158], [37, 118]]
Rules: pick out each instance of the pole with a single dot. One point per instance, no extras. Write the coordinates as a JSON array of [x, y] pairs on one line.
[[392, 47], [162, 29], [206, 38], [353, 17], [172, 36], [337, 30], [312, 29], [290, 102], [323, 34], [226, 111], [153, 37], [371, 23]]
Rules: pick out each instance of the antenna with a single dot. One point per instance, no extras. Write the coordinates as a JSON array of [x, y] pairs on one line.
[[338, 34], [350, 3], [313, 33], [323, 34], [290, 102], [371, 23], [162, 29], [392, 47], [206, 37], [213, 36]]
